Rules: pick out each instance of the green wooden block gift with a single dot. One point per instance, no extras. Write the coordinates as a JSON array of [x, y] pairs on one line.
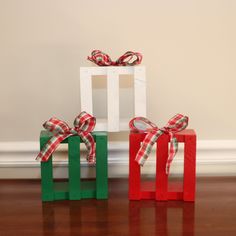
[[74, 188]]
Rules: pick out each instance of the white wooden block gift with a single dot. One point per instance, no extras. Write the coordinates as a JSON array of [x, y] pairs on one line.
[[113, 122]]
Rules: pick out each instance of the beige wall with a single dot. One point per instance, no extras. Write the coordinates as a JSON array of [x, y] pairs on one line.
[[189, 50]]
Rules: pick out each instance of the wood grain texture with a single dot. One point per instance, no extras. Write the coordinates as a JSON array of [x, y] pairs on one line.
[[213, 213]]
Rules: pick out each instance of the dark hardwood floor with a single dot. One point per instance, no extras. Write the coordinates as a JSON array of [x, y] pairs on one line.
[[213, 213]]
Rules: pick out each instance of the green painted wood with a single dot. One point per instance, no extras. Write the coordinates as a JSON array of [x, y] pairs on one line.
[[46, 173], [101, 166], [75, 189], [74, 167]]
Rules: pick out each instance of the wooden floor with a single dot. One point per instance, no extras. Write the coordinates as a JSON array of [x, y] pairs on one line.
[[23, 213]]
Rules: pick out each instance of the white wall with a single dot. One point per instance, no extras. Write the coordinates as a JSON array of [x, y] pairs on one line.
[[189, 49]]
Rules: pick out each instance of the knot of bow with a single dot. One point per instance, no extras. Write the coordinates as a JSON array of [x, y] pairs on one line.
[[143, 125], [83, 126], [128, 59]]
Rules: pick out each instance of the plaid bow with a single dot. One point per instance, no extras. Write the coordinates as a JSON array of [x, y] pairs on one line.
[[174, 125], [83, 126], [128, 59]]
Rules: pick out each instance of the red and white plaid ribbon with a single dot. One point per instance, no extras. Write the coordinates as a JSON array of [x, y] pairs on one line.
[[143, 125], [128, 59], [83, 126]]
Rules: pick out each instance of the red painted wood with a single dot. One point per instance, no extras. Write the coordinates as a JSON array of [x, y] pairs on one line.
[[134, 168], [160, 189], [189, 168], [161, 176]]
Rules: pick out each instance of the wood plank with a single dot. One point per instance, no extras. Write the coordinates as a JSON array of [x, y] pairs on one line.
[[47, 191], [102, 70], [161, 176], [86, 95], [134, 168], [189, 168], [101, 166], [113, 108], [74, 167], [213, 212], [140, 92]]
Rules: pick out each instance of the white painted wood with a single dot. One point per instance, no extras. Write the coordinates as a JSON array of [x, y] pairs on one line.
[[102, 70], [214, 158], [113, 122], [113, 111], [86, 94], [139, 91]]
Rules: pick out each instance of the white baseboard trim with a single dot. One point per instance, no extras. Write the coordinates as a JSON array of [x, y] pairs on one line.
[[214, 158]]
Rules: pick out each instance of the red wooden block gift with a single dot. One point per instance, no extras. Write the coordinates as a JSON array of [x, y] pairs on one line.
[[160, 190]]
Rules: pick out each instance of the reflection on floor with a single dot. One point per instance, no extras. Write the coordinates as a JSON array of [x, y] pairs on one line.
[[213, 213]]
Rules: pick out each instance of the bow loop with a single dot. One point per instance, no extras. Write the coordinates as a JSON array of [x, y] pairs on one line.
[[177, 123], [141, 124], [56, 126], [83, 126], [130, 59], [100, 58], [84, 122]]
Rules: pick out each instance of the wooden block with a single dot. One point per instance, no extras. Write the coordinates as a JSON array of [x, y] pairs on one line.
[[101, 166], [189, 168], [161, 176], [112, 121], [74, 167], [46, 174], [75, 189], [139, 91], [162, 192], [102, 70], [86, 95], [113, 108], [134, 168]]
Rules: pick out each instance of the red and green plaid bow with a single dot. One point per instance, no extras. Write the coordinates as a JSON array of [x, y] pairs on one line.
[[174, 125], [128, 59], [83, 126]]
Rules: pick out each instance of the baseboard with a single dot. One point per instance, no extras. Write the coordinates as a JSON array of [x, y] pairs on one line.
[[214, 158]]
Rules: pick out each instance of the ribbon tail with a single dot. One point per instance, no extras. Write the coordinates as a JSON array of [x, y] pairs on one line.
[[90, 145], [172, 153], [51, 146], [146, 147]]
